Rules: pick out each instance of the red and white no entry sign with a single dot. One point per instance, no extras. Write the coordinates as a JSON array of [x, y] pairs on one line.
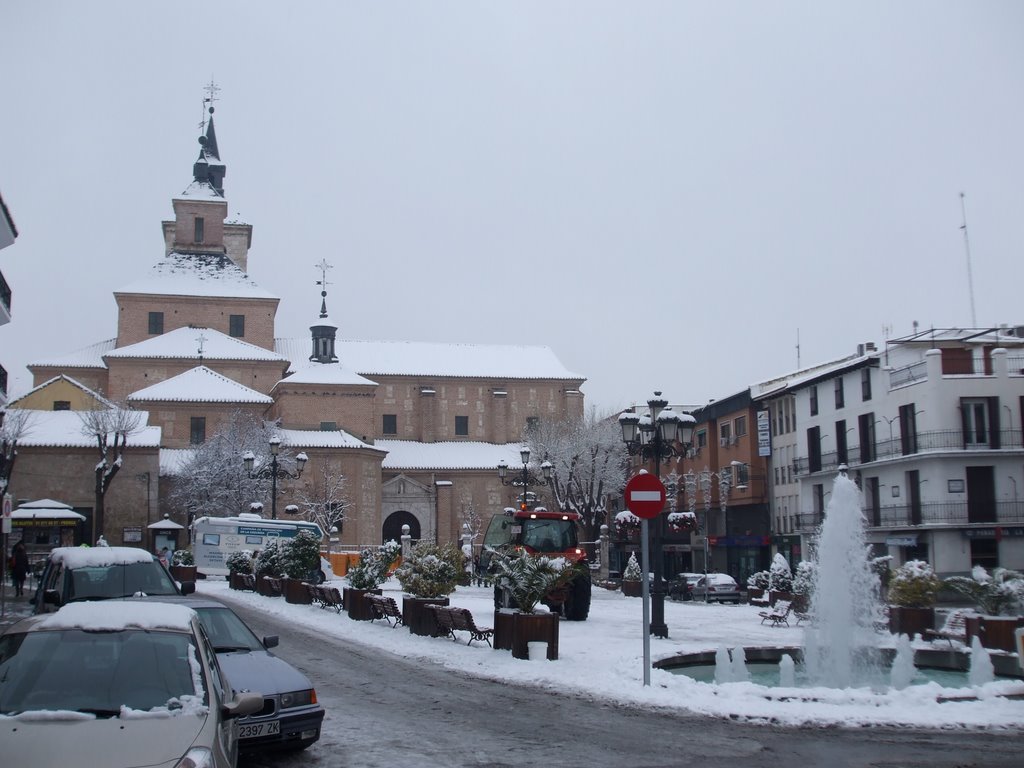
[[645, 495]]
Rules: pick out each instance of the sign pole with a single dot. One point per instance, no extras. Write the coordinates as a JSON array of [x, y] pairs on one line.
[[645, 595]]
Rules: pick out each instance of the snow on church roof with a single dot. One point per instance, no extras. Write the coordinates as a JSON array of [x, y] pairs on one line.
[[410, 454], [63, 429], [86, 357], [200, 385], [415, 358], [325, 373], [192, 274], [183, 343], [200, 190]]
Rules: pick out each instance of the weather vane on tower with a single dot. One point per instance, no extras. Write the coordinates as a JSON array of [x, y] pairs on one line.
[[323, 266], [212, 89]]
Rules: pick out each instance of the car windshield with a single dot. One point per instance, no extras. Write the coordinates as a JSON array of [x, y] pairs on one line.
[[549, 535], [97, 672], [119, 580], [226, 631]]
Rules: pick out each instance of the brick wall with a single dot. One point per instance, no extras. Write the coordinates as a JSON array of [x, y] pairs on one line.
[[180, 312], [131, 375]]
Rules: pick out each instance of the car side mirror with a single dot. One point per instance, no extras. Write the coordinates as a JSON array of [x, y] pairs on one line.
[[51, 597], [271, 641], [243, 704], [188, 587]]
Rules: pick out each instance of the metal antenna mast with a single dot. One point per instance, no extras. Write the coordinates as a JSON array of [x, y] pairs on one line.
[[967, 249], [798, 349]]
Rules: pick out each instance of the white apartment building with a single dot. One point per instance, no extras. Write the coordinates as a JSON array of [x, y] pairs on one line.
[[930, 428]]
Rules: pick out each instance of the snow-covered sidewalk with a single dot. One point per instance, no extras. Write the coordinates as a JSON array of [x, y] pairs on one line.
[[603, 657]]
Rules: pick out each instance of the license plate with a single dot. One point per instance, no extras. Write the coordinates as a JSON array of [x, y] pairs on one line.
[[255, 730]]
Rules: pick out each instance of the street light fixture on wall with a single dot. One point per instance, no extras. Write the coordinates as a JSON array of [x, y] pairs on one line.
[[524, 454], [273, 470], [659, 435]]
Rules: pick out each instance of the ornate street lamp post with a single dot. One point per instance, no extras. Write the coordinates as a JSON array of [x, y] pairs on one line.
[[273, 470], [524, 453], [658, 435]]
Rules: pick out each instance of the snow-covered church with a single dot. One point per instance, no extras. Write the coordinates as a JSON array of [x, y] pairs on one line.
[[417, 429]]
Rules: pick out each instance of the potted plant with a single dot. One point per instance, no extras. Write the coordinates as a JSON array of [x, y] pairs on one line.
[[757, 587], [429, 573], [239, 564], [183, 565], [803, 585], [682, 522], [913, 588], [300, 556], [627, 525], [267, 564], [366, 576], [632, 577], [780, 580], [527, 579], [998, 596]]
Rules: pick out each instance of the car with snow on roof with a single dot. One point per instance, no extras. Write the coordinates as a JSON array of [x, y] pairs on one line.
[[117, 684], [75, 574]]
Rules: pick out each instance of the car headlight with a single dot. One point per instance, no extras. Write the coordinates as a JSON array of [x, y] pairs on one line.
[[197, 757], [298, 698]]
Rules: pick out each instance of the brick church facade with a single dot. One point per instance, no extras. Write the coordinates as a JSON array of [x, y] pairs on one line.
[[417, 429]]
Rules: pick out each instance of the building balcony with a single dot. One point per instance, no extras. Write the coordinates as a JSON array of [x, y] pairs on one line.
[[949, 513], [940, 441]]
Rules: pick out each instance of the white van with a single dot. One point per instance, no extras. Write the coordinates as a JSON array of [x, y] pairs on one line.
[[215, 539]]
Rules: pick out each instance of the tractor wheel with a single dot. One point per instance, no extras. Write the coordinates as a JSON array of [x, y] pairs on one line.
[[577, 607]]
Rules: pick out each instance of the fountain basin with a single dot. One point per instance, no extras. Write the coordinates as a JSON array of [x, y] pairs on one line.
[[947, 667]]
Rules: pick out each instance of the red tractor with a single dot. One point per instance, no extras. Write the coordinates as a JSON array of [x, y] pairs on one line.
[[551, 534]]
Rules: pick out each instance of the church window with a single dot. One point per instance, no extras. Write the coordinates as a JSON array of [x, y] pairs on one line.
[[328, 426], [462, 426], [237, 326], [61, 405], [156, 323], [199, 230], [198, 429], [390, 426]]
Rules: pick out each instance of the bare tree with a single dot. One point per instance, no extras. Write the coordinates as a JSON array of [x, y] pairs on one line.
[[213, 481], [14, 425], [110, 426], [324, 501], [470, 520], [588, 461]]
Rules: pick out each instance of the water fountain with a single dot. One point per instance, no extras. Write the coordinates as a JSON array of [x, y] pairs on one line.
[[903, 670], [981, 670]]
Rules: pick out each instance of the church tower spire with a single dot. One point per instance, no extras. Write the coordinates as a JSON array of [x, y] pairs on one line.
[[323, 330]]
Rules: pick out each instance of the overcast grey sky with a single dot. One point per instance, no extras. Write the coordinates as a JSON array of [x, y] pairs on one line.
[[666, 193]]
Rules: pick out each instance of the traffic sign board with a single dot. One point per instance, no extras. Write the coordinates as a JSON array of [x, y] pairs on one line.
[[645, 495]]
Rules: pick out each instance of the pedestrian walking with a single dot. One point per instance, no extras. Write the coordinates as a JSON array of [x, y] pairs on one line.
[[19, 567]]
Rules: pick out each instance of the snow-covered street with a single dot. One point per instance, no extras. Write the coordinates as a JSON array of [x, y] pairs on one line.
[[603, 656]]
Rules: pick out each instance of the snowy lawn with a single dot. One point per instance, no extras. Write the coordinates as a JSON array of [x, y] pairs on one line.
[[603, 657]]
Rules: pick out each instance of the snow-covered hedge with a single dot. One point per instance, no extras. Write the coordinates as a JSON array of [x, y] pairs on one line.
[[182, 557], [268, 561], [373, 565], [914, 585], [431, 570], [240, 562], [300, 555]]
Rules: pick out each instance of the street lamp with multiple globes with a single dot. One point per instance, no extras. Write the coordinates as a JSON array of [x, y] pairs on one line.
[[273, 470], [524, 481], [658, 435]]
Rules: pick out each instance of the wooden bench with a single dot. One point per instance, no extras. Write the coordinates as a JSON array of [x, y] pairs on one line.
[[384, 608], [451, 620], [777, 615], [325, 597], [953, 628]]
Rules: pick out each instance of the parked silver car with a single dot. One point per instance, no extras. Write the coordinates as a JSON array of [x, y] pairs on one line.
[[717, 587], [291, 716], [117, 684], [681, 587]]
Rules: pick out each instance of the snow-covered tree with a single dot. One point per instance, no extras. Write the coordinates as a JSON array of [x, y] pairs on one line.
[[633, 571], [373, 565], [14, 425], [470, 520], [588, 461], [212, 480], [268, 560], [780, 576], [324, 500], [110, 426], [431, 570], [300, 555]]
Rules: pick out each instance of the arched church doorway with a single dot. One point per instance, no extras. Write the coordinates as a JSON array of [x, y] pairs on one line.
[[393, 526]]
